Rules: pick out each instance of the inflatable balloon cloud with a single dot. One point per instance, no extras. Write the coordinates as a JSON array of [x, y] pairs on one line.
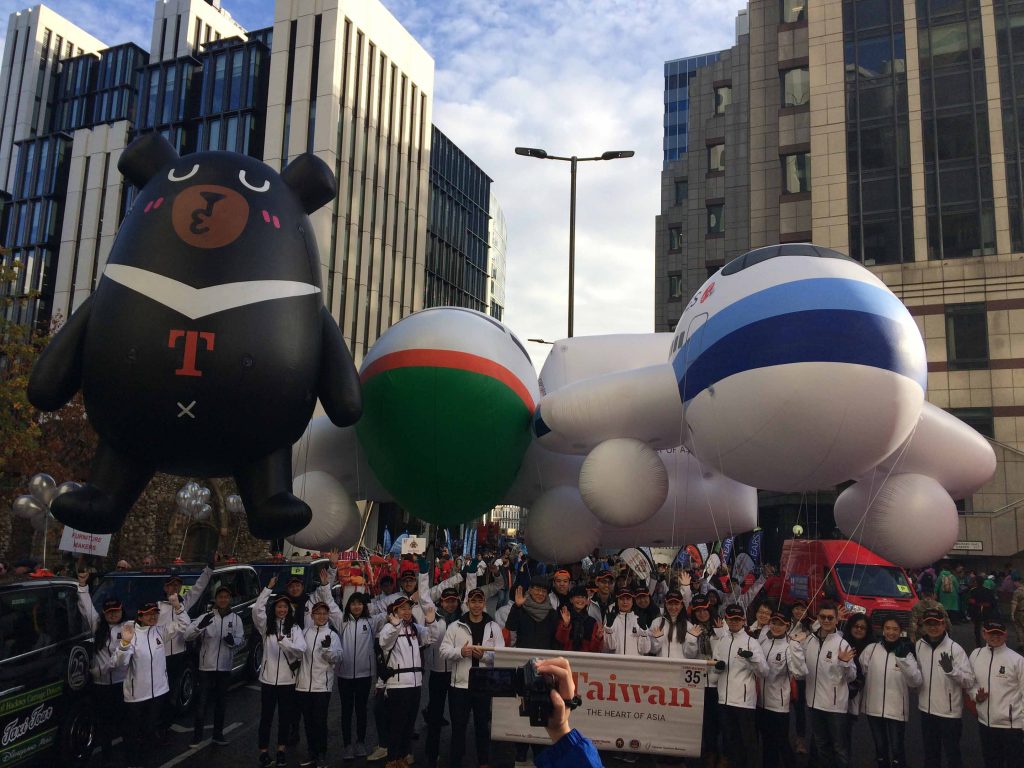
[[793, 368], [206, 343]]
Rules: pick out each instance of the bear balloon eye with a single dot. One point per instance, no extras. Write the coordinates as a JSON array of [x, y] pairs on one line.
[[189, 175], [261, 188]]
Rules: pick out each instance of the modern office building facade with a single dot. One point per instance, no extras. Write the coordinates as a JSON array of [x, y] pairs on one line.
[[339, 78], [497, 259], [458, 229], [888, 130]]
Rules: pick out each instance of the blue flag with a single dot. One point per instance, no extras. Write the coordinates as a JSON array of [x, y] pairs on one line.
[[754, 547], [727, 550], [387, 539]]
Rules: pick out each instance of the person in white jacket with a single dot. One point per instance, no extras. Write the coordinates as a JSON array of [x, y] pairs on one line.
[[785, 658], [668, 631], [462, 646], [220, 633], [705, 627], [890, 670], [107, 677], [283, 644], [830, 669], [400, 641], [737, 687], [315, 679], [177, 659], [946, 673], [355, 671], [623, 634], [141, 651], [999, 694]]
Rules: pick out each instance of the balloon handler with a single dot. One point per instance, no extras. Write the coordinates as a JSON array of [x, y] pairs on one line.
[[206, 344]]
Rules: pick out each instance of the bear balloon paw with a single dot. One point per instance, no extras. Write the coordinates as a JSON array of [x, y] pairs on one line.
[[89, 509], [278, 517]]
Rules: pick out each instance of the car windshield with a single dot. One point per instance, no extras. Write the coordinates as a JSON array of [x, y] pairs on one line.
[[874, 581], [136, 589], [309, 572]]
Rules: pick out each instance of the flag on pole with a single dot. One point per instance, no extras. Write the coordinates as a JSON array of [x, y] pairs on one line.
[[754, 547], [387, 539], [448, 539], [727, 546]]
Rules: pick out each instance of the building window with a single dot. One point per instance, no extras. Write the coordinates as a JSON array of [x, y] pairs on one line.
[[716, 157], [966, 337], [979, 419], [675, 286], [796, 87], [796, 173], [793, 10], [716, 219], [723, 98], [682, 191], [675, 238]]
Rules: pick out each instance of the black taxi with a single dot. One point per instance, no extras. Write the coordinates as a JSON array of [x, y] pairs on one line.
[[45, 649]]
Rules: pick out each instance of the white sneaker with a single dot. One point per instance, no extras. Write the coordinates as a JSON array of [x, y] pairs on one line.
[[378, 754], [360, 749], [348, 752]]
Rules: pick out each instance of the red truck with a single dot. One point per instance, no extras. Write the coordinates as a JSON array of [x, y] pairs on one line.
[[848, 574]]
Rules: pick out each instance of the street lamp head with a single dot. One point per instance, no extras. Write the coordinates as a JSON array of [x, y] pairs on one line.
[[615, 154], [532, 152]]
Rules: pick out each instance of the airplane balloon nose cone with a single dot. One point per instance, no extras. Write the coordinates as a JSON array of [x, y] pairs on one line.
[[799, 370]]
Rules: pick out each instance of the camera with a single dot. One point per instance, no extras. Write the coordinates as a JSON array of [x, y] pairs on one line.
[[533, 688]]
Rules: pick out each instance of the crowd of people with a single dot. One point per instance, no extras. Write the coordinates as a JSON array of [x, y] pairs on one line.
[[398, 637]]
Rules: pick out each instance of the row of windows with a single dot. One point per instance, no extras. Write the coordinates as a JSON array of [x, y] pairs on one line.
[[42, 167]]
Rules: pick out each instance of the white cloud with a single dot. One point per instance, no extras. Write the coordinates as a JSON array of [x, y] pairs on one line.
[[568, 76]]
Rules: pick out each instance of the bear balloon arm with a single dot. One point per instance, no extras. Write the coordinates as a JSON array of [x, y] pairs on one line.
[[338, 387], [57, 374]]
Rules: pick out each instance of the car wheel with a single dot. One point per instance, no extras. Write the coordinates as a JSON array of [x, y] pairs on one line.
[[185, 695], [255, 659], [77, 735]]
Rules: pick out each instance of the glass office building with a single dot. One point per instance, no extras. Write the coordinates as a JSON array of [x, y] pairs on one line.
[[678, 74]]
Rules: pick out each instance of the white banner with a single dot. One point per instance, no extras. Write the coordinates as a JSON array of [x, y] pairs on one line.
[[637, 704], [84, 543]]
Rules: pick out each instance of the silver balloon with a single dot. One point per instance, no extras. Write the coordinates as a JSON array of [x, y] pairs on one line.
[[204, 512], [42, 487], [204, 495], [43, 520], [193, 487], [67, 487], [234, 504], [182, 496], [27, 507]]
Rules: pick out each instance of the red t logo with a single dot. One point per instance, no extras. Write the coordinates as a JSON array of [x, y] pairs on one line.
[[192, 338]]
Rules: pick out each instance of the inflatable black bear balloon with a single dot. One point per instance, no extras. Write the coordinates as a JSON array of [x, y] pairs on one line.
[[206, 344]]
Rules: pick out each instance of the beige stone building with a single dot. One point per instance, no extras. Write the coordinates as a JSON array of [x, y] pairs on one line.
[[888, 130]]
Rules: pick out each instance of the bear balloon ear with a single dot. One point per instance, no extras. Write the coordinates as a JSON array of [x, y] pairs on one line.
[[311, 180], [145, 157]]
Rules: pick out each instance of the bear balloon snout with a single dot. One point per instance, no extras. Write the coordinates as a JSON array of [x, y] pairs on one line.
[[209, 215]]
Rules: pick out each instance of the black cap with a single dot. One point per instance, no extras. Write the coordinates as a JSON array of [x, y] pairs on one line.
[[223, 588], [674, 596], [734, 611], [112, 605], [319, 604], [387, 579], [449, 592], [295, 580], [780, 615], [148, 608], [172, 578], [279, 598], [993, 625], [699, 601], [641, 590], [475, 592], [604, 576], [409, 573], [539, 581], [579, 591], [623, 592], [399, 602], [933, 615]]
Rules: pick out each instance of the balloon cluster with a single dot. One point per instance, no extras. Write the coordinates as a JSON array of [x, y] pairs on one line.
[[193, 501], [35, 505]]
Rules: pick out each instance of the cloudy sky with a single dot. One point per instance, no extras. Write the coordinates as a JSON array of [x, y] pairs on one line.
[[570, 76]]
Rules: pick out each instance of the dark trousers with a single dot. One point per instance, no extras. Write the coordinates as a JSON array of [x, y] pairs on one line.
[[401, 706], [739, 735], [1001, 747], [461, 703], [830, 739], [380, 717], [941, 737], [710, 730], [281, 698], [109, 715], [774, 727], [313, 707], [437, 687], [800, 708], [212, 685], [889, 737], [140, 728], [354, 695], [175, 666]]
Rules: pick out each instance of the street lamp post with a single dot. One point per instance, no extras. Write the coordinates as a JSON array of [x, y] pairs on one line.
[[540, 154]]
